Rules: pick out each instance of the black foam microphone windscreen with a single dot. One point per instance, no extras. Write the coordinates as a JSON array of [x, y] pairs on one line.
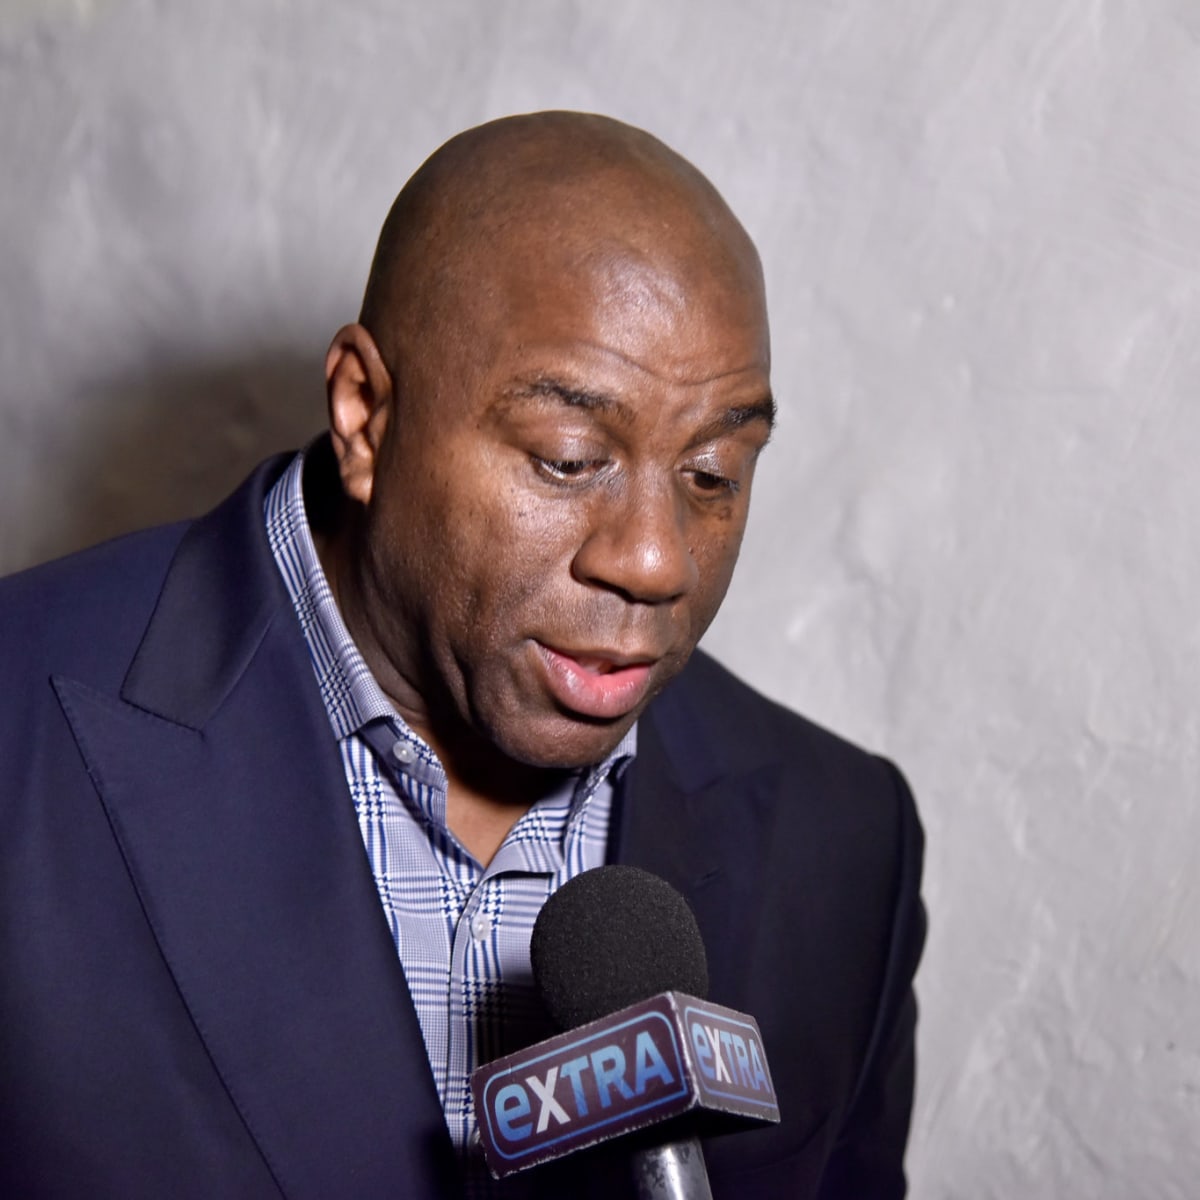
[[613, 936]]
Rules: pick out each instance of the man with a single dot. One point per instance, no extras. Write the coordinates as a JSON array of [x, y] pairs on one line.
[[455, 633]]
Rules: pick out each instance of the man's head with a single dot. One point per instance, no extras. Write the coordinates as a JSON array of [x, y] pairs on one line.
[[546, 423]]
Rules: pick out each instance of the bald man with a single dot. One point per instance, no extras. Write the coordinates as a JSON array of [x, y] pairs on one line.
[[287, 786]]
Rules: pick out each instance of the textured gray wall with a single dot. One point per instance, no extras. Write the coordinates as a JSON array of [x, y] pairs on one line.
[[974, 540]]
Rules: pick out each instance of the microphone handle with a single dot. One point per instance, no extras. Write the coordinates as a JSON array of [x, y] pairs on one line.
[[674, 1171]]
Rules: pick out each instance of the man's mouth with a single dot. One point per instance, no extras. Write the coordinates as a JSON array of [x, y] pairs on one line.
[[596, 683]]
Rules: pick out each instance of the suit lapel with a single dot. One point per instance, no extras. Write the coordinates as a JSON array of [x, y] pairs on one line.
[[687, 813], [224, 787]]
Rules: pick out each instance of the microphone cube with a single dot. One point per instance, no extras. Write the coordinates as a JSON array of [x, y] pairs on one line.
[[666, 1057]]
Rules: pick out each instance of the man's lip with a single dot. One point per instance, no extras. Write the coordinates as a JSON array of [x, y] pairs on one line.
[[599, 683], [603, 659]]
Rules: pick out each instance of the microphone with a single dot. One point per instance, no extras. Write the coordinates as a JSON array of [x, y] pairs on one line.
[[620, 964]]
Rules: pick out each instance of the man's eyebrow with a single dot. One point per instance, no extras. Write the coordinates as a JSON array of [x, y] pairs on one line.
[[737, 417], [731, 419], [743, 414], [572, 397]]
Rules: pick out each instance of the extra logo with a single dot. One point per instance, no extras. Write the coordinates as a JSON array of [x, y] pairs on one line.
[[584, 1085], [644, 1064], [728, 1050]]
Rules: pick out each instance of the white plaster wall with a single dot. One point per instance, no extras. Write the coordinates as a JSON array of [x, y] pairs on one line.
[[974, 545]]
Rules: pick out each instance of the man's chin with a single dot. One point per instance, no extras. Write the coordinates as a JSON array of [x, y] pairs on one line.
[[567, 742]]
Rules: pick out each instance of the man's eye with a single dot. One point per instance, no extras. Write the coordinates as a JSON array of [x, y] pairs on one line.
[[563, 469], [711, 484]]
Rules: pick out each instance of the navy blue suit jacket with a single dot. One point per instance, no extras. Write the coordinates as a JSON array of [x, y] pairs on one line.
[[199, 994]]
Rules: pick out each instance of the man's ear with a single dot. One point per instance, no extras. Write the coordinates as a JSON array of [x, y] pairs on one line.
[[359, 390]]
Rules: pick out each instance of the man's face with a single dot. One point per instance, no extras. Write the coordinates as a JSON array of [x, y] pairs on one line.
[[559, 496]]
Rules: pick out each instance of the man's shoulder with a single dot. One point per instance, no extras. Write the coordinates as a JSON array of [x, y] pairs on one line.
[[720, 706], [91, 594], [78, 618], [714, 726], [85, 614], [134, 551]]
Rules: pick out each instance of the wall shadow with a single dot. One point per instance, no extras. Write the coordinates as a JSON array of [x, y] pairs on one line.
[[173, 442]]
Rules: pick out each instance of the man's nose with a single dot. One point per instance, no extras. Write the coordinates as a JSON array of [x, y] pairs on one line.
[[638, 544]]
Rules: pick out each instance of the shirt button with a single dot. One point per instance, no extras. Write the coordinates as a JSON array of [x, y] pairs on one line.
[[403, 752], [481, 926]]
